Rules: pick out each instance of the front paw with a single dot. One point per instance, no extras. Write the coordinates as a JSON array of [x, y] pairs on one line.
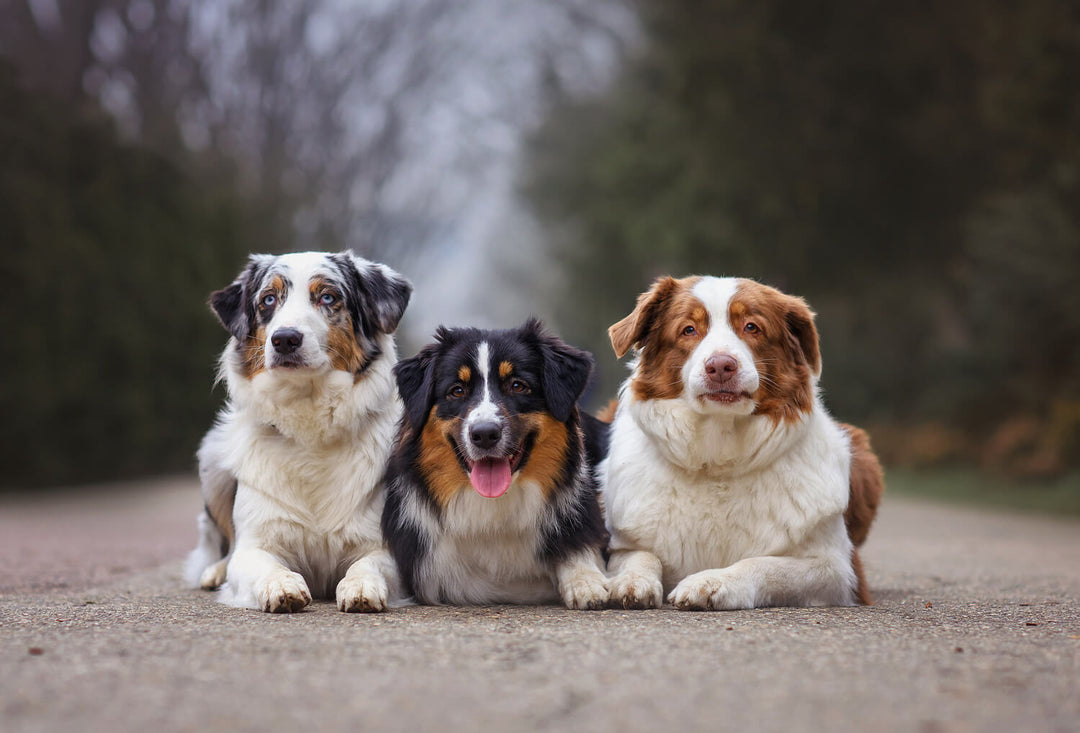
[[363, 594], [585, 590], [214, 576], [636, 590], [284, 593], [712, 590]]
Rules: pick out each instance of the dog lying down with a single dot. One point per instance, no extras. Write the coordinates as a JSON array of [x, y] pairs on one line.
[[728, 485], [491, 492], [292, 471]]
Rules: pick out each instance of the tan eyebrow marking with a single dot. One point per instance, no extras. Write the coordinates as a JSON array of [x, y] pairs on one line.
[[464, 373], [505, 369]]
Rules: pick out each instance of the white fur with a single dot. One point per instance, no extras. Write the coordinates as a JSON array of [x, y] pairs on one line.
[[487, 552], [722, 509], [308, 449], [716, 293], [486, 410]]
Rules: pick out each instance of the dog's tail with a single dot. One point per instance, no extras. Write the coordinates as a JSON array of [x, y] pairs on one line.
[[867, 486]]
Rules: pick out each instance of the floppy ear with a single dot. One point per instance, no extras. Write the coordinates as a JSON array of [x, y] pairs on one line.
[[380, 294], [565, 371], [416, 385], [633, 329], [228, 305], [388, 294], [234, 305], [803, 334]]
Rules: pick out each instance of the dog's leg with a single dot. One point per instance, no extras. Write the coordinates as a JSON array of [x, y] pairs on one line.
[[369, 584], [637, 579], [257, 579], [769, 581], [581, 581], [205, 567], [214, 576]]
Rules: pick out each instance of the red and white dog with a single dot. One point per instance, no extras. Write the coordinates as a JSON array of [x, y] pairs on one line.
[[727, 484]]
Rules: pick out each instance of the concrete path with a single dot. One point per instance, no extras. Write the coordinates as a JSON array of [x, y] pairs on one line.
[[977, 628]]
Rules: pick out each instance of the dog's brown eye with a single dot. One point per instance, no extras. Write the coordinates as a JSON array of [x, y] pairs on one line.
[[751, 328], [689, 331], [456, 392], [519, 387]]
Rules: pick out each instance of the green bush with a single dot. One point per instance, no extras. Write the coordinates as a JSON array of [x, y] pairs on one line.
[[912, 170], [110, 251]]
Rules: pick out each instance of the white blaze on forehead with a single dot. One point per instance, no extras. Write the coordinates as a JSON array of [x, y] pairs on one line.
[[299, 268], [716, 294], [486, 409], [296, 311]]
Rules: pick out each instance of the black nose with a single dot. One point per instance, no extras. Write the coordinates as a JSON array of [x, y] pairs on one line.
[[485, 435], [286, 340]]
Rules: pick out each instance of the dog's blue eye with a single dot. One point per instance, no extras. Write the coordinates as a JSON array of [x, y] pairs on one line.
[[328, 299], [269, 300]]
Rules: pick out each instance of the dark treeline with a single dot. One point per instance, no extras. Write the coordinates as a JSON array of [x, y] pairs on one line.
[[146, 146], [912, 169], [109, 356]]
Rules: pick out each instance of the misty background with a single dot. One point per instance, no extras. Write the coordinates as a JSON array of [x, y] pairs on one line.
[[912, 170]]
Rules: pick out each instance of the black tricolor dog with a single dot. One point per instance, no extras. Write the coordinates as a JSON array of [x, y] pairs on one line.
[[491, 492]]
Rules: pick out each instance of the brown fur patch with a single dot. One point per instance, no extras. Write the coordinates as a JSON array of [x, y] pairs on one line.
[[505, 369], [657, 327], [253, 350], [464, 373], [606, 413], [548, 453], [278, 286], [344, 351], [785, 348], [438, 463], [867, 486], [862, 590], [253, 353]]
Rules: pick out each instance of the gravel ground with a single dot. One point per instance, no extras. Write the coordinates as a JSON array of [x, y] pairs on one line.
[[976, 627]]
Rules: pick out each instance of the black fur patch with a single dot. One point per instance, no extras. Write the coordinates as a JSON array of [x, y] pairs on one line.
[[376, 298], [235, 305]]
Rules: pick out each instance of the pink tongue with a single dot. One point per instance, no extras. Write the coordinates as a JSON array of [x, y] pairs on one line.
[[490, 478]]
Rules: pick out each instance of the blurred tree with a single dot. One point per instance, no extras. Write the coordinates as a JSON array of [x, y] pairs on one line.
[[911, 169], [334, 117], [104, 243], [235, 125]]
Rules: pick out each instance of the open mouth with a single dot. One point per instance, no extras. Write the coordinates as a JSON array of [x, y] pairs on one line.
[[725, 397], [491, 477]]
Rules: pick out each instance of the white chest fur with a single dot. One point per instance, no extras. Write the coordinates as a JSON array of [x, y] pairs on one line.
[[700, 492], [487, 550], [309, 455]]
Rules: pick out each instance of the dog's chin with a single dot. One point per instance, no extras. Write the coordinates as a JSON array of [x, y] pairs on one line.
[[725, 401], [286, 365]]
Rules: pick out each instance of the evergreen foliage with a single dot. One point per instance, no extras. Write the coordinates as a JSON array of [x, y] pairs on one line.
[[912, 169], [110, 251]]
